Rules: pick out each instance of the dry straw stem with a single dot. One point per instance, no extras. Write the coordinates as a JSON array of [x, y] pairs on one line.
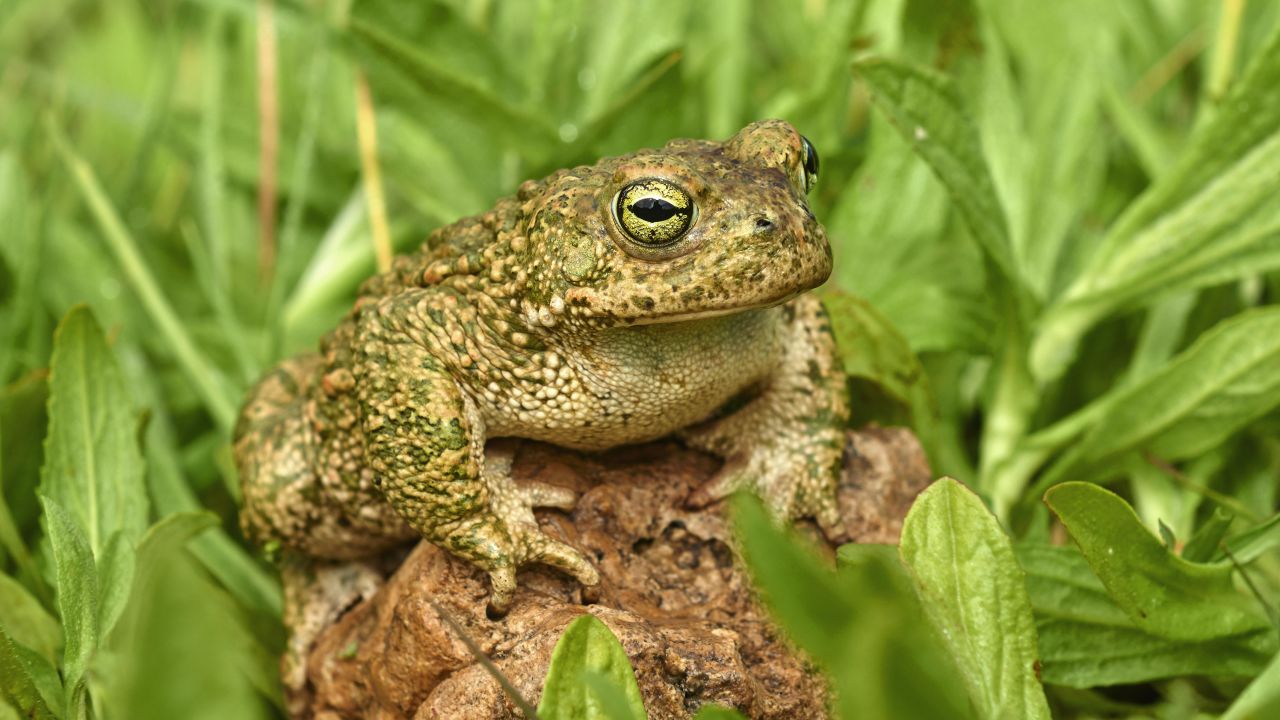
[[367, 132], [268, 140]]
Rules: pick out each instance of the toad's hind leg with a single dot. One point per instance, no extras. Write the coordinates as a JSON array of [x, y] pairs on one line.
[[316, 595], [306, 489], [307, 510], [425, 440]]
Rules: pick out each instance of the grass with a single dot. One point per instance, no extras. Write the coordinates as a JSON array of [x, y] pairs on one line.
[[1057, 258]]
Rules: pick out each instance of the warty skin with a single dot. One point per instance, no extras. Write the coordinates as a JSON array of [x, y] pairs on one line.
[[591, 309]]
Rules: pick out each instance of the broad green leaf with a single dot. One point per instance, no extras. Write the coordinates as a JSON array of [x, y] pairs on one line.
[[871, 348], [27, 621], [925, 107], [1162, 593], [613, 699], [718, 712], [1227, 378], [17, 685], [588, 646], [812, 603], [93, 467], [1211, 219], [863, 623], [975, 594], [115, 580], [1038, 104], [908, 265], [1086, 640], [44, 675], [175, 531], [77, 583], [226, 559], [173, 609], [1261, 700]]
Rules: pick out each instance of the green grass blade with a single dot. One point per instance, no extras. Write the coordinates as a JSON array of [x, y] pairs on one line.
[[1251, 544], [227, 560], [211, 181], [200, 373], [1261, 699]]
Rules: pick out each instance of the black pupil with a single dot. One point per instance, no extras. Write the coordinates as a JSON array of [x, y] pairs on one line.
[[653, 209], [810, 157]]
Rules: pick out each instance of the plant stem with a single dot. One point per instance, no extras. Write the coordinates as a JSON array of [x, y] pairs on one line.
[[1222, 65], [367, 130], [268, 142]]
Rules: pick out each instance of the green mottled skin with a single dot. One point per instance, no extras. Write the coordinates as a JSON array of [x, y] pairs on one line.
[[541, 319]]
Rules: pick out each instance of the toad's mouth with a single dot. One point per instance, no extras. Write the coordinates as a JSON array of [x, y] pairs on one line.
[[689, 316]]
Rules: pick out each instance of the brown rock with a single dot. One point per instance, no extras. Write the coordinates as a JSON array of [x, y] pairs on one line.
[[672, 592]]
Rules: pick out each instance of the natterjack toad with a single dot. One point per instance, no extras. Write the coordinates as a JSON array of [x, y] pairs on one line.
[[649, 294]]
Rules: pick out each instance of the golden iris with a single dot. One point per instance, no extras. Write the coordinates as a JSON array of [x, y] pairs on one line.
[[653, 211]]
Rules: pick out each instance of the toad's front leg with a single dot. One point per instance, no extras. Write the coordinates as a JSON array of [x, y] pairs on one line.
[[787, 444], [425, 440]]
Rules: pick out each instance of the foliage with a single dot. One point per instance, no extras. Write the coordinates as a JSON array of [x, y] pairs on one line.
[[973, 591], [1057, 250], [590, 676]]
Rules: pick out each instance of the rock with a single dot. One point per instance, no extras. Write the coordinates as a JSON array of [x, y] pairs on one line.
[[672, 592]]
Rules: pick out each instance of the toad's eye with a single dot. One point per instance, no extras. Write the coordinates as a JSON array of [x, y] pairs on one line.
[[810, 163], [653, 211]]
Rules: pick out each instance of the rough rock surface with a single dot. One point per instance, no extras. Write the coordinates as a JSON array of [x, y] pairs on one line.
[[672, 592]]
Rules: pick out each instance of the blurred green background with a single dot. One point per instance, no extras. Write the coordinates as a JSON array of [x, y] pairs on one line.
[[1037, 211]]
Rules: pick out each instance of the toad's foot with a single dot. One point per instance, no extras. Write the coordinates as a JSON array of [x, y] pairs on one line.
[[787, 444], [796, 475], [506, 537]]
